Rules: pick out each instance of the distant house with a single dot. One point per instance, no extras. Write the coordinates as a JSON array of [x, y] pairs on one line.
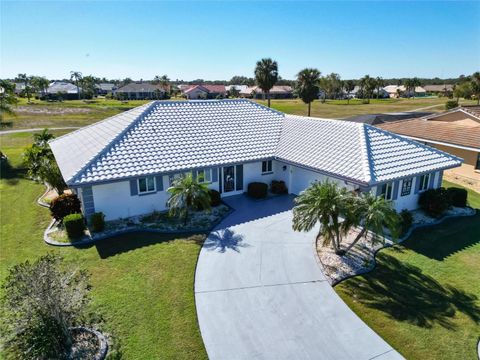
[[445, 89], [63, 89], [377, 119], [140, 91], [105, 88], [456, 131], [205, 92], [238, 88], [277, 92], [19, 87], [395, 91]]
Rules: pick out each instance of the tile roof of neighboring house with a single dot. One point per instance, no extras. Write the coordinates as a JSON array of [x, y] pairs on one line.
[[376, 119], [447, 87], [391, 89], [62, 86], [459, 131], [106, 86], [276, 89], [163, 137], [216, 89], [139, 87]]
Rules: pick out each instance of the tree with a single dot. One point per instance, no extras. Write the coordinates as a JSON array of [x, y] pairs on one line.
[[332, 85], [40, 84], [322, 203], [348, 86], [7, 98], [42, 301], [379, 84], [187, 194], [367, 85], [76, 76], [411, 85], [475, 86], [242, 80], [463, 90], [233, 91], [89, 86], [163, 81], [374, 214], [266, 75], [307, 86], [42, 139], [27, 88]]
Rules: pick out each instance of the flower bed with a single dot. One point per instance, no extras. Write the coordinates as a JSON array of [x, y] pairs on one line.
[[361, 258], [198, 221]]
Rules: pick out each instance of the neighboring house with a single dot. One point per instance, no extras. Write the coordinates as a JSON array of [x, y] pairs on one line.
[[105, 88], [444, 90], [123, 166], [395, 91], [205, 92], [277, 92], [19, 87], [376, 119], [456, 131], [140, 91], [238, 88], [63, 89]]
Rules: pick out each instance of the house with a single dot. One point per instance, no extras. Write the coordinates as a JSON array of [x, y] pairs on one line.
[[395, 91], [444, 90], [105, 88], [276, 92], [140, 91], [63, 89], [237, 88], [19, 88], [456, 131], [205, 92], [123, 165]]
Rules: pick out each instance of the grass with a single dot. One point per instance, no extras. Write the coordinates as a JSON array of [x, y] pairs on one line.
[[339, 109], [142, 283], [424, 295], [473, 196]]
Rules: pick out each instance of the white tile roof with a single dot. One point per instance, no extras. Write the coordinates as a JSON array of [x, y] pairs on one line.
[[163, 137]]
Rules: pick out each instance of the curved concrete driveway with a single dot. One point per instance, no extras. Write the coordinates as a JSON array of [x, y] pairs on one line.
[[260, 293]]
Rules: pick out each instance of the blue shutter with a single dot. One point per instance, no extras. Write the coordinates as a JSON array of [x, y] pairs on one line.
[[133, 187], [396, 186], [215, 174], [88, 203], [431, 181], [379, 190], [440, 178], [159, 182], [417, 184], [239, 177], [219, 180]]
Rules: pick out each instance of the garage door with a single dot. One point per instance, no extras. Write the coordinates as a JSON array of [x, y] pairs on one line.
[[302, 179]]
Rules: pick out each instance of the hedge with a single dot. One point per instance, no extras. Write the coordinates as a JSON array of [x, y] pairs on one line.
[[74, 225]]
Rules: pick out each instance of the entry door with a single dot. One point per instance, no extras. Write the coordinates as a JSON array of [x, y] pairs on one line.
[[231, 180]]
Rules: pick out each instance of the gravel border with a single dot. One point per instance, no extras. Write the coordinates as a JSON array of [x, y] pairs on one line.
[[101, 339]]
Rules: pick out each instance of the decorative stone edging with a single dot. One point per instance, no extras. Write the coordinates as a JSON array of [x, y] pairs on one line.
[[101, 339], [389, 243], [40, 199], [130, 230]]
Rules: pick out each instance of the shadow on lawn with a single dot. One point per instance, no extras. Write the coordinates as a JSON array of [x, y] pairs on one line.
[[404, 293], [446, 239], [11, 174], [129, 242]]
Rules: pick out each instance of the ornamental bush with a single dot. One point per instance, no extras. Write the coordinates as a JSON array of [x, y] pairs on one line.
[[434, 201], [64, 205], [74, 225], [406, 220], [98, 221], [215, 198], [279, 187], [450, 104], [457, 196], [257, 190]]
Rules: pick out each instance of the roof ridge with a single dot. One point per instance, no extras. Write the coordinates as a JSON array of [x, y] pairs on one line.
[[366, 152], [134, 121]]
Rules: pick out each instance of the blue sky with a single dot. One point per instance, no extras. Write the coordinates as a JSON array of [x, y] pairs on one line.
[[217, 40]]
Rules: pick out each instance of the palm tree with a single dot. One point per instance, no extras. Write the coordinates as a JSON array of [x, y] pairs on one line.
[[374, 214], [26, 81], [367, 85], [307, 86], [187, 194], [379, 83], [77, 77], [322, 203], [42, 139], [348, 86], [475, 85], [266, 75]]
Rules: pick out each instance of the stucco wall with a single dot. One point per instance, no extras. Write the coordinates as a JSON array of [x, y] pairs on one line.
[[470, 159]]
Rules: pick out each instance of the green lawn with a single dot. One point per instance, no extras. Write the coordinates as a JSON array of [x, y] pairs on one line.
[[142, 283], [424, 295]]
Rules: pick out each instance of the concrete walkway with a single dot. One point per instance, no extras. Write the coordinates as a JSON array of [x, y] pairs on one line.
[[260, 293]]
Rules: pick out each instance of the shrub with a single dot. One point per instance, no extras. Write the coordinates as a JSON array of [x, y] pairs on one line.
[[434, 201], [98, 221], [406, 220], [450, 104], [215, 198], [279, 187], [257, 190], [64, 205], [74, 225], [457, 196]]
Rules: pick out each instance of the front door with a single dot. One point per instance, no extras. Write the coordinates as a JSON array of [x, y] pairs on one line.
[[232, 180]]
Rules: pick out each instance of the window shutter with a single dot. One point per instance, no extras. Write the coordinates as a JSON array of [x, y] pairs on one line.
[[133, 187], [159, 182], [239, 177], [194, 174], [396, 186], [431, 181], [440, 178], [215, 174], [417, 184], [379, 190], [219, 180]]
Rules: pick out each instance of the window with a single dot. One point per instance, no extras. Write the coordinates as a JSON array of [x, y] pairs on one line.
[[173, 177], [406, 187], [266, 167], [146, 185], [387, 191], [477, 165], [204, 175], [424, 180]]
